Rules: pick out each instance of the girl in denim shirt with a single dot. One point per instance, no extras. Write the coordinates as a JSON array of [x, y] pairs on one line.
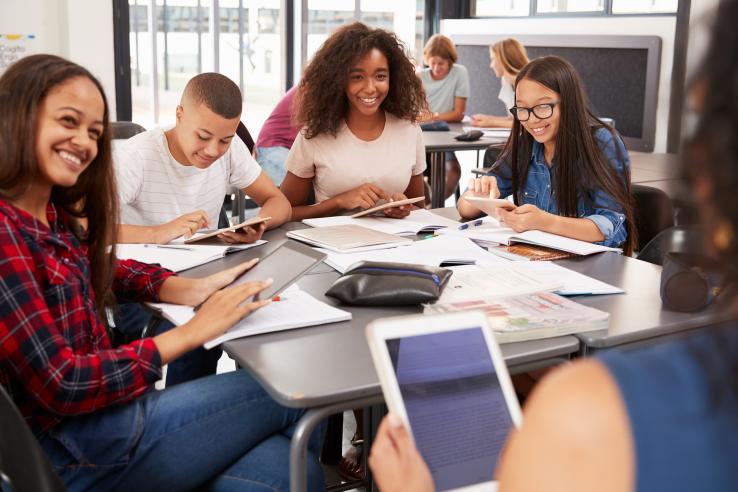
[[571, 176]]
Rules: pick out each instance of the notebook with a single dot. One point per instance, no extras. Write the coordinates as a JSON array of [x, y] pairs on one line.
[[343, 238], [531, 316], [295, 309], [178, 257], [419, 221]]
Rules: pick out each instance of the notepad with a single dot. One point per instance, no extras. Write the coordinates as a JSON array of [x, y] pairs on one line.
[[386, 205], [178, 257], [208, 235], [297, 309], [344, 238]]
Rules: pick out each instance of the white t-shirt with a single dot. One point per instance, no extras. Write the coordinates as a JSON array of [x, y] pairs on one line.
[[507, 94], [154, 188], [441, 94], [341, 163]]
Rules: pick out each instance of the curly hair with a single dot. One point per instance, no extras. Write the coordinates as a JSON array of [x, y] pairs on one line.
[[321, 102], [711, 156]]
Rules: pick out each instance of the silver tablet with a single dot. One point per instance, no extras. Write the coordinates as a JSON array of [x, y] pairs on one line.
[[284, 265], [445, 377]]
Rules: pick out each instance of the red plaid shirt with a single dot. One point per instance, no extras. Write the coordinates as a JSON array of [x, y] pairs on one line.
[[55, 355]]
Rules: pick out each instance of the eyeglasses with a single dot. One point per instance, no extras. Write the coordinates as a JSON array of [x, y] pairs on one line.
[[542, 111]]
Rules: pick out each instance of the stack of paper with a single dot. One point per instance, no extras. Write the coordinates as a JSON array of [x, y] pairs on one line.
[[432, 251], [419, 221], [296, 309], [177, 257], [532, 316]]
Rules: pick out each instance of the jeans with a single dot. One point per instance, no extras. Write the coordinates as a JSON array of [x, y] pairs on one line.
[[220, 433], [132, 318], [271, 160]]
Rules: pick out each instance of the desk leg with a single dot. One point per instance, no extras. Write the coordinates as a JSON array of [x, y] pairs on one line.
[[438, 178], [305, 428]]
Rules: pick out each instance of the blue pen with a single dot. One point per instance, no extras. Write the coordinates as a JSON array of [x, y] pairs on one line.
[[471, 223]]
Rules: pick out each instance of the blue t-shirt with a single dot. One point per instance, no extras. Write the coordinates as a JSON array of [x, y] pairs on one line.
[[683, 414], [594, 204]]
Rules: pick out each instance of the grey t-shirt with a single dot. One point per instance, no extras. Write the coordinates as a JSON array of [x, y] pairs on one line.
[[441, 93]]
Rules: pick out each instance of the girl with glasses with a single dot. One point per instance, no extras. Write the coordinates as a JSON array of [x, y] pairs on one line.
[[568, 173]]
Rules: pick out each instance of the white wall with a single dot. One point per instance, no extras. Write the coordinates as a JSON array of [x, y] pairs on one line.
[[662, 26], [80, 30]]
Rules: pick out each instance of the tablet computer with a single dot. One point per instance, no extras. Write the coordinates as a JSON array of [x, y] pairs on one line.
[[385, 205], [488, 205], [211, 234], [445, 377], [284, 265]]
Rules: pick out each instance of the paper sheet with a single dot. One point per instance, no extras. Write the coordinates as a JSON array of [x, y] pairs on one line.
[[178, 257], [412, 224]]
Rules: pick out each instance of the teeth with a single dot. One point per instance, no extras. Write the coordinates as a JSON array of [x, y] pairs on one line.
[[368, 100], [69, 157]]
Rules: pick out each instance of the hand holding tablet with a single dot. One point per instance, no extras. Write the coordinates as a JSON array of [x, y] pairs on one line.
[[386, 205], [243, 225], [490, 205]]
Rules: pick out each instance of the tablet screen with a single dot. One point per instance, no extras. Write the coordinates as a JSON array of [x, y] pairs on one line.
[[285, 265], [454, 403]]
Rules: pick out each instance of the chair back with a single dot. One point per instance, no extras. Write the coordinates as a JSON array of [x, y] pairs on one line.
[[653, 212], [680, 239], [23, 465], [124, 129], [245, 136]]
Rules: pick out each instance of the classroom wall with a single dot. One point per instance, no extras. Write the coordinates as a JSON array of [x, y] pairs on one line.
[[80, 30], [662, 26]]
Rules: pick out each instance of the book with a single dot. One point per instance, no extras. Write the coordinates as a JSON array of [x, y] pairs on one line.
[[200, 236], [295, 309], [386, 205], [349, 237], [531, 316], [419, 221], [178, 257], [533, 253]]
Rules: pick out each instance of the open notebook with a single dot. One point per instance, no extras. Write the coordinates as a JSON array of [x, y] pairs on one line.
[[178, 257], [349, 237]]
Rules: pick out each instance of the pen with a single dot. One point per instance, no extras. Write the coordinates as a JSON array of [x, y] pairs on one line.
[[471, 223], [166, 246]]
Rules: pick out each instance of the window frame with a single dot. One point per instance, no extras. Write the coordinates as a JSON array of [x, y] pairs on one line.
[[533, 13]]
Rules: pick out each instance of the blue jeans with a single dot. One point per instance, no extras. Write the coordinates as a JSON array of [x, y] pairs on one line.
[[132, 318], [271, 160], [221, 433]]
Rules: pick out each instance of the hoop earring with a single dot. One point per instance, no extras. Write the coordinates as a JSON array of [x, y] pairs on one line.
[[722, 238]]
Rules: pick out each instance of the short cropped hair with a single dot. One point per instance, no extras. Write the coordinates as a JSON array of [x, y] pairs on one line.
[[219, 93], [441, 46]]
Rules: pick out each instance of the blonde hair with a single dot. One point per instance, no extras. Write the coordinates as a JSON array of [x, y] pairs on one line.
[[511, 55], [442, 46]]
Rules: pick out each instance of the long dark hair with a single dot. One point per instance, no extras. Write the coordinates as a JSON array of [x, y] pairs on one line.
[[580, 164], [321, 97], [93, 198]]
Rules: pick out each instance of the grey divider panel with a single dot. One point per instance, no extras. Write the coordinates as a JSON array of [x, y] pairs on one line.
[[620, 75]]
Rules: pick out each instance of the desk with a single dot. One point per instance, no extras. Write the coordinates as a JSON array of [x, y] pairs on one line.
[[328, 369], [436, 144]]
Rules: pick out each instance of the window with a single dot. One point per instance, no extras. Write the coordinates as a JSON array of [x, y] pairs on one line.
[[510, 8], [268, 20], [644, 6], [550, 6]]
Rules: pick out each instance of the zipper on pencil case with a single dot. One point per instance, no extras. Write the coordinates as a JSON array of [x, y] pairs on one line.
[[432, 276]]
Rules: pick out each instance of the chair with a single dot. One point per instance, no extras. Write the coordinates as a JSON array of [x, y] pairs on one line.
[[23, 465], [242, 203], [681, 239], [653, 212], [124, 129]]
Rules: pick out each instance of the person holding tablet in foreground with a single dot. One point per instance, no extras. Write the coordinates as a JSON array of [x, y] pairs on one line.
[[571, 176], [358, 102], [659, 418], [94, 408]]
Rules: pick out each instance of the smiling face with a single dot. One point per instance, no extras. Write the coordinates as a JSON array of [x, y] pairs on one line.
[[70, 124], [202, 136], [528, 94], [439, 67], [368, 84]]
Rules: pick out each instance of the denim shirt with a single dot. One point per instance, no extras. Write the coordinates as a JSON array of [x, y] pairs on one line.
[[593, 204]]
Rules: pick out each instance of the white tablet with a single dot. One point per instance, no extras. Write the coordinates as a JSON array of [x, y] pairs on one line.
[[488, 205], [385, 205], [208, 235], [445, 377]]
